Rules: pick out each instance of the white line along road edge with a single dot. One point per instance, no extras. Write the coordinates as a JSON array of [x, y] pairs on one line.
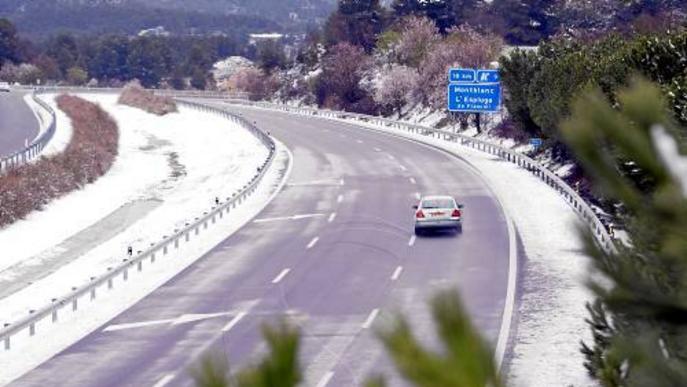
[[509, 304], [96, 315]]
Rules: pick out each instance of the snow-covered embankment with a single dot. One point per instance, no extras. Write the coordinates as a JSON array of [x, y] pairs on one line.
[[169, 170]]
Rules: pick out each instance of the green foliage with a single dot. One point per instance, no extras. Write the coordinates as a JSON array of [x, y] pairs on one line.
[[280, 368], [77, 76], [9, 42], [466, 359], [271, 56], [517, 71], [640, 322], [540, 86], [358, 22]]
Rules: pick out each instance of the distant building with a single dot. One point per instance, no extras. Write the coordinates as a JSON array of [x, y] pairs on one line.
[[157, 31], [256, 38], [225, 69]]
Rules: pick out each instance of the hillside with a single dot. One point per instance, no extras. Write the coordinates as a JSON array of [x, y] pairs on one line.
[[39, 18]]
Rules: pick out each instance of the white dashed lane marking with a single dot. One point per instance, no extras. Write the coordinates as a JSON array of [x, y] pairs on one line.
[[370, 319], [281, 276], [325, 379], [397, 273], [313, 242], [164, 381], [233, 322]]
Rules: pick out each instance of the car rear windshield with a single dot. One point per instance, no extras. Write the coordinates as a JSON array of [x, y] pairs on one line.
[[437, 203]]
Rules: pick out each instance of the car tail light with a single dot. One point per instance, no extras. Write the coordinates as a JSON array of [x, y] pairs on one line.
[[419, 214], [456, 213]]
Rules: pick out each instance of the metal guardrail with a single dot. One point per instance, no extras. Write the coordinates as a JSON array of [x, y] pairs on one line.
[[162, 92], [572, 197], [34, 149], [582, 208], [155, 251]]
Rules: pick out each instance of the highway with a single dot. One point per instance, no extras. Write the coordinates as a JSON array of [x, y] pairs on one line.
[[18, 124], [334, 252]]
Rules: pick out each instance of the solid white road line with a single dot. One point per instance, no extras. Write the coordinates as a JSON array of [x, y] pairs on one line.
[[314, 183], [164, 381], [339, 199], [281, 276], [377, 150], [411, 242], [403, 168], [293, 217], [412, 180], [234, 321], [509, 305], [325, 379], [359, 141], [313, 242], [121, 327], [332, 217], [397, 273], [370, 319], [391, 157]]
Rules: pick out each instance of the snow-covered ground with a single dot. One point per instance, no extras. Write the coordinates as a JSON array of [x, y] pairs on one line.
[[550, 318], [168, 171]]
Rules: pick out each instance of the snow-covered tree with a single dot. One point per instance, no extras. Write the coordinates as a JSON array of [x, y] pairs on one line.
[[417, 36], [395, 88]]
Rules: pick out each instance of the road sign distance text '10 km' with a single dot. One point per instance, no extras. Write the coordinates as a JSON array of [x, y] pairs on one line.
[[474, 91]]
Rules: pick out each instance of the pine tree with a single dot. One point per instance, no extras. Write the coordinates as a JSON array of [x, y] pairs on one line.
[[639, 323]]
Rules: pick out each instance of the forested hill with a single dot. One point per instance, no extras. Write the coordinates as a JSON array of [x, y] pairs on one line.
[[40, 18], [282, 11]]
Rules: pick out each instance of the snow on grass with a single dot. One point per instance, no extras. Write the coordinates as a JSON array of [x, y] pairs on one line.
[[549, 321], [179, 163], [72, 326]]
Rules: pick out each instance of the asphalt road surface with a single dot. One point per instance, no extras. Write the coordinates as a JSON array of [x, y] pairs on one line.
[[18, 124], [342, 268]]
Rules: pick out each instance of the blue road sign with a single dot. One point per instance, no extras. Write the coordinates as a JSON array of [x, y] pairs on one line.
[[461, 75], [488, 76], [474, 98], [536, 142]]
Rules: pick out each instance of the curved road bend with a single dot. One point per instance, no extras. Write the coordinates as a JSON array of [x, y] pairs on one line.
[[18, 124], [344, 266]]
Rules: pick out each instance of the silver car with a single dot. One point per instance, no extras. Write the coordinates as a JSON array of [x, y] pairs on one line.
[[4, 86], [438, 212]]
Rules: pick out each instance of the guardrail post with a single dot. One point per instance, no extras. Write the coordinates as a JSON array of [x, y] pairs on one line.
[[54, 312], [140, 265], [125, 274], [75, 304], [7, 343]]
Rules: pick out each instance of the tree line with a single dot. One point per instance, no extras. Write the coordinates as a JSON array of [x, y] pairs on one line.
[[111, 60]]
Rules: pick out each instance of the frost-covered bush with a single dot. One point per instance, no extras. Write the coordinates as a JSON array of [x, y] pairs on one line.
[[89, 155], [417, 36], [135, 95], [463, 47], [395, 88], [256, 83]]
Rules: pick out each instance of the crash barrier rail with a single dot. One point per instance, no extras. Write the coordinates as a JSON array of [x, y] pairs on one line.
[[161, 92], [582, 208], [36, 146], [51, 312]]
